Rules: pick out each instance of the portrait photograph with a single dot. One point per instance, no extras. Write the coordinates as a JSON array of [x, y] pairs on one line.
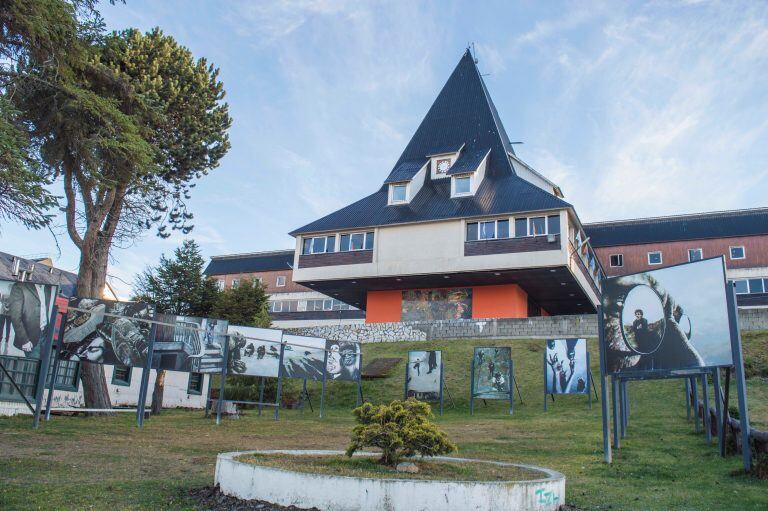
[[25, 311], [343, 362]]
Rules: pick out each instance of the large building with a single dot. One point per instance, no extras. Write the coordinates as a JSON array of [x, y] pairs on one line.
[[460, 227], [290, 304], [741, 237]]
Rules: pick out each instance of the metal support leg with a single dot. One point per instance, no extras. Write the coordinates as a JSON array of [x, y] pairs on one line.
[[705, 412]]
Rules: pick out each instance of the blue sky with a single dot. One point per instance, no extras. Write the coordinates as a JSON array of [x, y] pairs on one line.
[[635, 109]]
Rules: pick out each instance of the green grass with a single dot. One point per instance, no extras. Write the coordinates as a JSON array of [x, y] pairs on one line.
[[341, 465], [108, 463]]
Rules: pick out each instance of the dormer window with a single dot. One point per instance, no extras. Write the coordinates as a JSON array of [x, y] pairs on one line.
[[399, 193], [462, 185]]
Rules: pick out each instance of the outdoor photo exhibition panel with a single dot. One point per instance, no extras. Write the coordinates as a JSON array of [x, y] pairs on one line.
[[27, 321], [189, 344], [344, 358], [107, 332], [566, 369], [25, 315], [424, 376], [675, 322], [491, 375], [304, 357]]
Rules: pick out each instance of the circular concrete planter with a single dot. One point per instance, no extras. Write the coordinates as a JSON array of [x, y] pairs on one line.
[[341, 493]]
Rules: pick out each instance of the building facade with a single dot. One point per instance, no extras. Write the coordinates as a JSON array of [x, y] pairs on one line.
[[290, 303], [460, 227], [740, 236]]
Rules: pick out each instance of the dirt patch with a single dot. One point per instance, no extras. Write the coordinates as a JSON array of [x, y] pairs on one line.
[[211, 499]]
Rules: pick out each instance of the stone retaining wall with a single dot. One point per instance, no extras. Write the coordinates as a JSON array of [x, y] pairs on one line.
[[518, 328]]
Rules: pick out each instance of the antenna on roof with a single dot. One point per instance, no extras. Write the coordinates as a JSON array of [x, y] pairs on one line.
[[516, 143], [474, 54]]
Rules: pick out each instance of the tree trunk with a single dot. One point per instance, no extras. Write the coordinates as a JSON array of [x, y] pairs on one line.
[[157, 392], [91, 279]]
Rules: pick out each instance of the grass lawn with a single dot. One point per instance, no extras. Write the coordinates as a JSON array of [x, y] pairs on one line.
[[107, 463]]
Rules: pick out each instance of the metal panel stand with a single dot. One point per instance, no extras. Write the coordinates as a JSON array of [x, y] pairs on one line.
[[607, 453], [55, 353], [223, 382], [42, 368], [145, 378], [741, 382]]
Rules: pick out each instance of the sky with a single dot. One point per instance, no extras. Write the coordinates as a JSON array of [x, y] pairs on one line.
[[633, 108]]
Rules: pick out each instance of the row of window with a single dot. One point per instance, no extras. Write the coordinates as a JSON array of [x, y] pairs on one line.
[[751, 286], [121, 375], [499, 229], [221, 284], [325, 304], [347, 243], [694, 254]]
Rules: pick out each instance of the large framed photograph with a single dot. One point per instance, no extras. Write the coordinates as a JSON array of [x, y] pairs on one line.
[[490, 373], [668, 319], [303, 357], [343, 362], [25, 313], [189, 344], [424, 375], [436, 304], [107, 332], [566, 366], [255, 351]]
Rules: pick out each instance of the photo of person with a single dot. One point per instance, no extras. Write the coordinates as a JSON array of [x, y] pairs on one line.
[[423, 381], [255, 351], [436, 304], [25, 310], [343, 360], [303, 357], [189, 344], [107, 332], [667, 319], [491, 373], [566, 369]]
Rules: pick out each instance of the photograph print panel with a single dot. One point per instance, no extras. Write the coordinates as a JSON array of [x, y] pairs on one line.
[[25, 311], [189, 344], [668, 319], [424, 375], [255, 351], [303, 357], [491, 372], [343, 360], [107, 332], [566, 366]]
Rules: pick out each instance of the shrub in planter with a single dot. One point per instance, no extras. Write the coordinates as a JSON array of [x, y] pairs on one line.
[[401, 428]]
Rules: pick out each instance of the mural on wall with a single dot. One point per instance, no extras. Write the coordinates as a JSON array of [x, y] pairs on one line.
[[566, 368], [303, 357], [491, 373], [191, 344], [107, 332], [424, 375], [667, 319], [25, 311], [255, 351], [343, 360], [436, 304]]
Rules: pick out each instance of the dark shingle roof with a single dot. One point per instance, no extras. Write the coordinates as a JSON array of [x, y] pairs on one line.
[[468, 161], [405, 171], [717, 224], [42, 274], [462, 115], [249, 263]]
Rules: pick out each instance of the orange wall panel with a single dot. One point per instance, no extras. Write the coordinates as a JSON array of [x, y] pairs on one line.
[[502, 301], [384, 306]]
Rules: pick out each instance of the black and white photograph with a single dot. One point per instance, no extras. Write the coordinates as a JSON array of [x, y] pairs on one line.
[[343, 362], [189, 344], [491, 373], [303, 357], [667, 319], [424, 375], [254, 351], [107, 332], [25, 311], [566, 366]]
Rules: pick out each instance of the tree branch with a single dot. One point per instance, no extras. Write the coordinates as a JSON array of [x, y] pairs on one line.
[[71, 207]]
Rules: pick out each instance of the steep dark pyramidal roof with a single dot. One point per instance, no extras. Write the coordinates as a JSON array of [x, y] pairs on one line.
[[716, 224], [462, 115], [249, 263]]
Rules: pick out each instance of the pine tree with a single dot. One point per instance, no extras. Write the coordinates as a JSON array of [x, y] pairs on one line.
[[244, 305]]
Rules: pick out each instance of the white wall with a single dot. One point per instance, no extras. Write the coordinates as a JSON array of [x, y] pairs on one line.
[[174, 396]]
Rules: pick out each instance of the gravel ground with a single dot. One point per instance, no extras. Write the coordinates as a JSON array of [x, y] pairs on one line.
[[211, 499]]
